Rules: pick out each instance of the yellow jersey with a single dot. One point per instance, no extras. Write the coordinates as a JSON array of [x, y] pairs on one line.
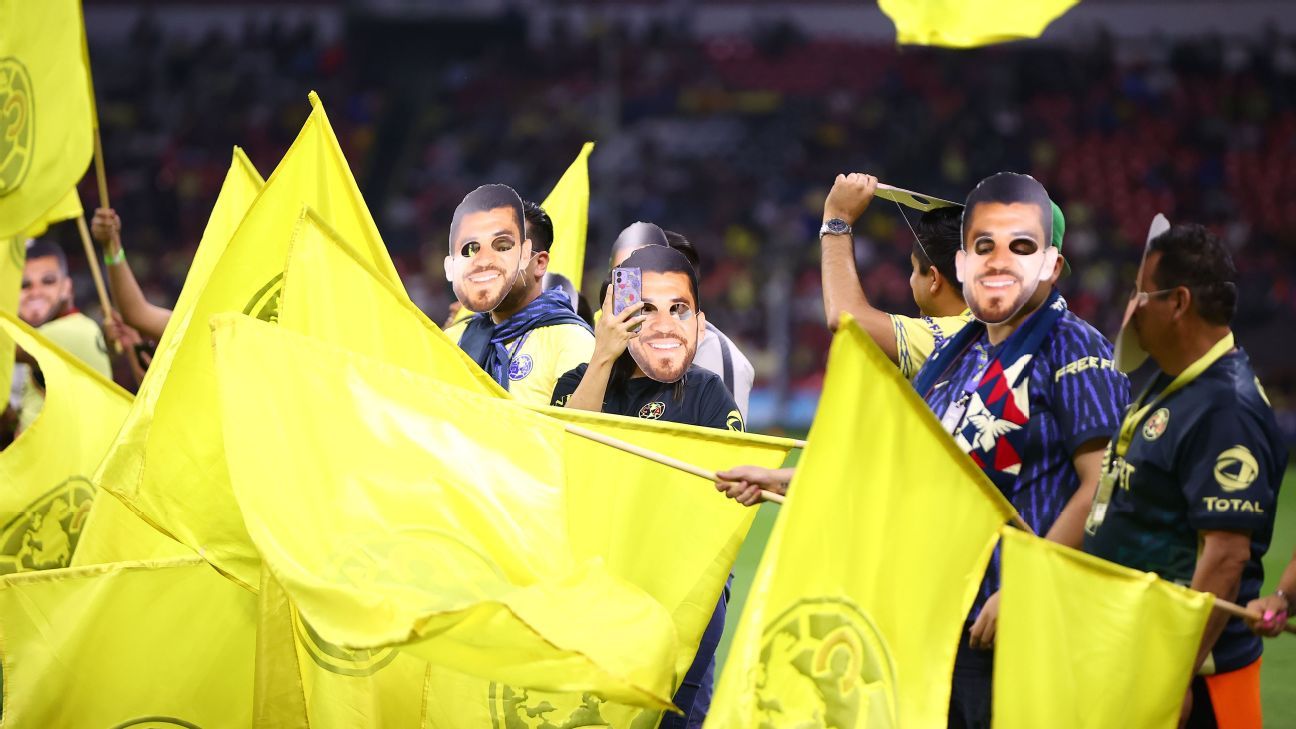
[[917, 337], [82, 338], [539, 357]]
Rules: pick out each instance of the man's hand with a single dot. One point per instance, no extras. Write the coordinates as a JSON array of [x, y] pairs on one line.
[[982, 634], [849, 197], [105, 227], [613, 332], [1274, 609], [745, 483]]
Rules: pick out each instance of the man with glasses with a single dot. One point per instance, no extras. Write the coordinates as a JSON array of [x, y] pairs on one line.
[[522, 335], [642, 367], [1190, 482]]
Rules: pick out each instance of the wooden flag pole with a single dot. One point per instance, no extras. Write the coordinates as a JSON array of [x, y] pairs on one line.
[[656, 457], [101, 176], [1238, 611], [96, 274]]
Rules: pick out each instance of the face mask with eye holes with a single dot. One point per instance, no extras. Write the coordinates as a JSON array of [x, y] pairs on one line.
[[481, 288]]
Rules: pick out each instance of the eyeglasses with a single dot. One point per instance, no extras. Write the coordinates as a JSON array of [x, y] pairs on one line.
[[1139, 298]]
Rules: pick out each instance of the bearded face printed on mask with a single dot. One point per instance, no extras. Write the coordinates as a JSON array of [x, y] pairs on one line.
[[668, 340], [488, 248], [1007, 251]]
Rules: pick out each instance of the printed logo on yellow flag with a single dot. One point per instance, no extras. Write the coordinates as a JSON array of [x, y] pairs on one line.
[[824, 639]]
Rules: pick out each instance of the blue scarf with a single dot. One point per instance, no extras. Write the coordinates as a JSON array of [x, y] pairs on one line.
[[483, 339], [993, 428]]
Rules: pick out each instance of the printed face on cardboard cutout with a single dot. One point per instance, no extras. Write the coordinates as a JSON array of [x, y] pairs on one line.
[[1130, 354], [488, 250], [1006, 251], [668, 340]]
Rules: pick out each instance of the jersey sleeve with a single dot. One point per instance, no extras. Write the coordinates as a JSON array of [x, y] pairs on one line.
[[1089, 393], [567, 384], [573, 347], [1224, 467], [918, 337], [718, 409]]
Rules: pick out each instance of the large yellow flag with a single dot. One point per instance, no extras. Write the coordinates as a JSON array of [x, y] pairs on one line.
[[859, 600], [47, 121], [970, 23], [47, 470], [393, 511], [129, 644], [568, 208], [168, 463], [1070, 624]]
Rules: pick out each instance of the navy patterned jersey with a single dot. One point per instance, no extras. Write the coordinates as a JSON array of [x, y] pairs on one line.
[[1076, 395]]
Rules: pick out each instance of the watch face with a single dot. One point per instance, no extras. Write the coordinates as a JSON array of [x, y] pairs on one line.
[[836, 226]]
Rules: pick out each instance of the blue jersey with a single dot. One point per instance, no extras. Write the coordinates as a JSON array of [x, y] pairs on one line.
[[1209, 456], [1076, 395]]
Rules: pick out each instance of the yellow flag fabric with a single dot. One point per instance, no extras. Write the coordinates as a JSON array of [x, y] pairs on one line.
[[304, 681], [392, 512], [568, 208], [47, 470], [168, 463], [1069, 622], [129, 644], [331, 293], [859, 600], [47, 126], [68, 208], [970, 23]]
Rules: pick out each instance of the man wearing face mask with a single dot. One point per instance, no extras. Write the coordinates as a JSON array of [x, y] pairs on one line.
[[642, 367], [1028, 390], [1191, 481], [523, 336]]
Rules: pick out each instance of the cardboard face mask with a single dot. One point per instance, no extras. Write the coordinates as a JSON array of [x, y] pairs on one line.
[[1006, 252], [668, 338], [488, 251], [1130, 354]]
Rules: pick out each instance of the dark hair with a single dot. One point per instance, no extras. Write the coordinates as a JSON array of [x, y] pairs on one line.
[[486, 198], [660, 259], [939, 234], [685, 246], [539, 227], [1194, 257], [1009, 188], [48, 249]]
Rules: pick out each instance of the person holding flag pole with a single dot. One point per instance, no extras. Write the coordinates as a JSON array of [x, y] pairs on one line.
[[1191, 480]]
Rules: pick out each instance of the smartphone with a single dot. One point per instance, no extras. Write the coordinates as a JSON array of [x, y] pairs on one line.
[[627, 288]]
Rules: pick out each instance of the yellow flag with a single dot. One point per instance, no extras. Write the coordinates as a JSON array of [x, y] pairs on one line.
[[970, 23], [47, 123], [394, 511], [68, 208], [568, 208], [168, 463], [129, 644], [47, 470], [304, 681], [331, 293], [1069, 622], [859, 600]]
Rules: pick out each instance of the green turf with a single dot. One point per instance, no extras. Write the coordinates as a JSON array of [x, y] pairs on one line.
[[1278, 677]]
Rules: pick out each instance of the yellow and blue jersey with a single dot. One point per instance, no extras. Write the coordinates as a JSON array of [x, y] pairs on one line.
[[539, 357], [917, 337]]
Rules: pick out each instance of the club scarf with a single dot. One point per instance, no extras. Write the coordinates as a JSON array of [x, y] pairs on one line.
[[993, 428], [484, 340]]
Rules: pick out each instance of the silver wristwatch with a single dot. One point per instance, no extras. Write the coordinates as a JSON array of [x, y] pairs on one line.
[[834, 226]]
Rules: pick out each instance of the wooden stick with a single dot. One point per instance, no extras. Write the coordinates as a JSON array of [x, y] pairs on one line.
[[96, 274], [1238, 611], [798, 443], [100, 174], [656, 457]]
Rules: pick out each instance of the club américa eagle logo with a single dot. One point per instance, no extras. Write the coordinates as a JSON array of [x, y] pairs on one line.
[[264, 304], [336, 659], [824, 663], [653, 410], [1156, 424], [157, 722], [17, 124], [520, 367], [44, 535]]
